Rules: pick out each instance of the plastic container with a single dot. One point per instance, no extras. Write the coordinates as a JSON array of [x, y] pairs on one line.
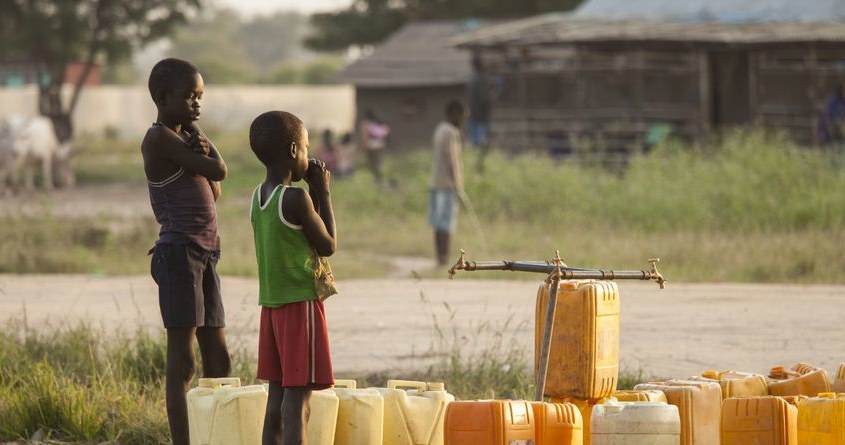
[[839, 382], [585, 406], [557, 424], [222, 412], [321, 424], [699, 405], [759, 420], [736, 384], [360, 414], [415, 416], [651, 395], [489, 422], [584, 353], [821, 420], [802, 379], [639, 423]]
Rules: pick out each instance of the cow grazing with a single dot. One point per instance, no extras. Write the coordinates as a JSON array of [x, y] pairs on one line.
[[26, 142]]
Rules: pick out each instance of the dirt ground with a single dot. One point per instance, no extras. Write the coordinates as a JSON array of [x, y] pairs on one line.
[[389, 325]]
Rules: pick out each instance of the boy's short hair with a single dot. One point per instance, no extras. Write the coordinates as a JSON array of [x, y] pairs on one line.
[[272, 132], [166, 75], [455, 106]]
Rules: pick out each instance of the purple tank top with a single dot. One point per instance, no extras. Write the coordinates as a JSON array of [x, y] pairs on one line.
[[184, 206]]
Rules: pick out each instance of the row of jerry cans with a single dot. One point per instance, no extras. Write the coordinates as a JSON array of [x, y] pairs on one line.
[[404, 413], [222, 412], [801, 380], [517, 422]]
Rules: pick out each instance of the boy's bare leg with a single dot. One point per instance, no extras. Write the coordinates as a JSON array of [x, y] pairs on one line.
[[295, 413], [272, 434], [216, 361], [180, 370]]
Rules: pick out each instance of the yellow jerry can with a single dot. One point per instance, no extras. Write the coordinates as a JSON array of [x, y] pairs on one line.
[[839, 383], [801, 380], [766, 420], [651, 395], [584, 352], [736, 384], [360, 414], [585, 406], [222, 412], [821, 420], [414, 412], [699, 405], [323, 420]]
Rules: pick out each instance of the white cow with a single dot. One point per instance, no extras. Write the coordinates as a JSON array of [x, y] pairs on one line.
[[26, 142]]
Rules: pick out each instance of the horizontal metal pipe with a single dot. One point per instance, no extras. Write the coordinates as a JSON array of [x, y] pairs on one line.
[[569, 273]]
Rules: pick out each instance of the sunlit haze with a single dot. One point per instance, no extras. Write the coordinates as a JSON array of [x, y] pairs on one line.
[[253, 7]]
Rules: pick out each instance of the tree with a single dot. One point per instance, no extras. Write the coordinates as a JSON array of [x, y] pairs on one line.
[[53, 33], [367, 22]]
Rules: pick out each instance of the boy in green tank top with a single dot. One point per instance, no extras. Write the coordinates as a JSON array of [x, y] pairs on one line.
[[292, 230]]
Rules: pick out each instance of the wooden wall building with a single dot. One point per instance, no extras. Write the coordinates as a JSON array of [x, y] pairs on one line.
[[568, 81], [409, 78]]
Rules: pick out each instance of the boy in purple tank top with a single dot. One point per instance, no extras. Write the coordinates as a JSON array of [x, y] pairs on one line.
[[183, 170]]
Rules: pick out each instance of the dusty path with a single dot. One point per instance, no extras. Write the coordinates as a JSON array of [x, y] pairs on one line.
[[379, 325]]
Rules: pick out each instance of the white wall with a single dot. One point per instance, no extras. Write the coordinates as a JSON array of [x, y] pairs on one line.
[[130, 110]]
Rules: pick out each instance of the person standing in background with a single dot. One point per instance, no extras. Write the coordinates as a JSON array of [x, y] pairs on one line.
[[447, 179]]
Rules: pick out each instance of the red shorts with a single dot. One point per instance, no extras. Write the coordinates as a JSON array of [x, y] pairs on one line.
[[293, 345]]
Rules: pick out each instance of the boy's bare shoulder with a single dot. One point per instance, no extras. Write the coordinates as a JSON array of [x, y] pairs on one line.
[[159, 138]]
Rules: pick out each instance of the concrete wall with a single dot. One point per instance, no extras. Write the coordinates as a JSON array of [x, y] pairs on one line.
[[130, 111]]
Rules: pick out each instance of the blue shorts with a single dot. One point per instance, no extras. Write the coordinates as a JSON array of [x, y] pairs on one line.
[[443, 210], [479, 133]]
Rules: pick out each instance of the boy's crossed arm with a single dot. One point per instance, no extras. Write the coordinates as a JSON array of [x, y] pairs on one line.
[[208, 164]]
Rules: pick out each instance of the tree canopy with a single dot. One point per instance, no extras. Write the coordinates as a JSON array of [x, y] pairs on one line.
[[50, 34], [367, 22]]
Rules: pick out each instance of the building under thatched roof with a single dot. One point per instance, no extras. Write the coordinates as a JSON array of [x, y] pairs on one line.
[[613, 71], [409, 78]]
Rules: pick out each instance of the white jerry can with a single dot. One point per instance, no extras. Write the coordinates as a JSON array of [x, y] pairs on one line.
[[360, 414], [414, 416], [323, 420], [222, 412], [635, 424]]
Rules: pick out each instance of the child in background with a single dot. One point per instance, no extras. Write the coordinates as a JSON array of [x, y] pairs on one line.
[[291, 228], [327, 151], [446, 183], [183, 169], [346, 155]]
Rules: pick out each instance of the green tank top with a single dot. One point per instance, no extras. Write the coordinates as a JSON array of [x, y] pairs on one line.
[[285, 258]]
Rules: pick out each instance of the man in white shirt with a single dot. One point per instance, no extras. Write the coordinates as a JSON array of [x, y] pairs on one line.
[[447, 181]]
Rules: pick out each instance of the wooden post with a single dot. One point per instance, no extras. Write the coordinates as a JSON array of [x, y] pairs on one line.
[[705, 94], [753, 66]]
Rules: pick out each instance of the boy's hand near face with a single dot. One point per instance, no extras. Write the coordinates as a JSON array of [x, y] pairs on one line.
[[318, 176]]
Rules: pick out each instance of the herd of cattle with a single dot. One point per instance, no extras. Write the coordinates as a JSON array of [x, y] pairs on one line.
[[28, 144]]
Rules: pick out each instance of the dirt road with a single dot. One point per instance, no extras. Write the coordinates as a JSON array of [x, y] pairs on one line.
[[379, 325]]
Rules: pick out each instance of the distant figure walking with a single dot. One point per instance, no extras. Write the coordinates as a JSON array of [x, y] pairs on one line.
[[832, 123], [447, 179], [373, 133], [327, 151], [346, 155]]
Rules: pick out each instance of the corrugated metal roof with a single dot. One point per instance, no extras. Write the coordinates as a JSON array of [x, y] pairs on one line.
[[571, 28], [419, 54], [733, 11]]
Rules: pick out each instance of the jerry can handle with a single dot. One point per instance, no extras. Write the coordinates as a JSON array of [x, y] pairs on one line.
[[346, 383], [218, 382], [396, 384]]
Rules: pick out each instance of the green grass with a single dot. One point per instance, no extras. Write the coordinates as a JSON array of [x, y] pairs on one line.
[[79, 384], [747, 207]]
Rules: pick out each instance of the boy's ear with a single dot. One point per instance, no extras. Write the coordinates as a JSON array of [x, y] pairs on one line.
[[159, 97], [292, 150]]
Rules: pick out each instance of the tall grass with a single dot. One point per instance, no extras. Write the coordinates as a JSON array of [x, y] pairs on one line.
[[746, 206], [82, 385]]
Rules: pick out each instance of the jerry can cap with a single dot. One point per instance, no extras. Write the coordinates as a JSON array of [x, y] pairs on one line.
[[710, 374]]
